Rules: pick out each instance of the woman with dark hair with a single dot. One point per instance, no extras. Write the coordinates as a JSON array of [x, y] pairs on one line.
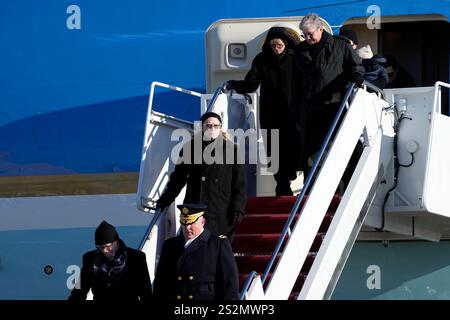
[[273, 71]]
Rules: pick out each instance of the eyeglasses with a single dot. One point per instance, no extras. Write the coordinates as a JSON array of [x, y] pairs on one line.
[[277, 45], [108, 246], [211, 125], [309, 34]]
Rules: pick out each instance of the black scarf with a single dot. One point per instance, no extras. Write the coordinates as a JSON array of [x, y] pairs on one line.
[[315, 48], [103, 266]]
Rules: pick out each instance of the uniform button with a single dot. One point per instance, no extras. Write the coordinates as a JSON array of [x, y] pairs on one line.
[[180, 278], [191, 297], [203, 178], [178, 297], [191, 278]]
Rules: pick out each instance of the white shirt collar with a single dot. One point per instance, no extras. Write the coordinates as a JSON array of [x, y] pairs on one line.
[[187, 243]]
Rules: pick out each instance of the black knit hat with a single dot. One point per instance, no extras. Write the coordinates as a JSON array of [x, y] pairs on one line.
[[105, 233], [349, 34], [207, 115]]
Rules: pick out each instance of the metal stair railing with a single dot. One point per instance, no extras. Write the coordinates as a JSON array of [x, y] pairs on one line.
[[355, 203], [150, 242], [319, 160], [146, 203], [306, 187]]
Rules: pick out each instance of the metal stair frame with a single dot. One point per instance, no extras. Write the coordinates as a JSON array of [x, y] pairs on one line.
[[360, 116], [350, 215]]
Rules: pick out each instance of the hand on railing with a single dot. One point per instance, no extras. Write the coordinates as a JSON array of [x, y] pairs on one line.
[[230, 85], [370, 87]]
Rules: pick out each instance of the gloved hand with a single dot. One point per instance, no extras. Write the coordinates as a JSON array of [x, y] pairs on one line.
[[231, 85], [160, 204], [238, 217], [359, 80]]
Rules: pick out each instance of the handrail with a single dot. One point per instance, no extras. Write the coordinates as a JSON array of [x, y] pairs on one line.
[[374, 88], [167, 86], [159, 212], [437, 95], [307, 183], [156, 216], [247, 283], [149, 119], [218, 91]]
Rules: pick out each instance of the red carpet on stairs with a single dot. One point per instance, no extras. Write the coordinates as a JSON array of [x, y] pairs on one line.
[[258, 234]]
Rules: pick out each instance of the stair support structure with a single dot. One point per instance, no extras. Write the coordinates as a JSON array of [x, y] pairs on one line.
[[366, 115]]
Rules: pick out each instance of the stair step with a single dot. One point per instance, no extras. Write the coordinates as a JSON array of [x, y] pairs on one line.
[[272, 223], [258, 234], [297, 286], [281, 204], [259, 262], [265, 243]]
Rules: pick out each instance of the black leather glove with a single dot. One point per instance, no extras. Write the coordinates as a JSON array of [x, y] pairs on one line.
[[238, 217], [160, 204], [231, 85], [359, 81]]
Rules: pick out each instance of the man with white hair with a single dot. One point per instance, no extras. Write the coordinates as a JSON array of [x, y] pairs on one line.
[[326, 65]]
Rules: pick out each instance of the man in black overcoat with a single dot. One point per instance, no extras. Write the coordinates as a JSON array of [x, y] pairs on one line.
[[325, 67], [114, 271], [196, 264]]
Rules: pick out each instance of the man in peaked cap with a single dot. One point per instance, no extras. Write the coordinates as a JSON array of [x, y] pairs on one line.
[[114, 272], [196, 264]]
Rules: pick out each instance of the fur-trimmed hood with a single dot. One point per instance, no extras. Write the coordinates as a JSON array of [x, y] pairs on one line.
[[286, 34]]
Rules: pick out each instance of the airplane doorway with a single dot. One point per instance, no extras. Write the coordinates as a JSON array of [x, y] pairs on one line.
[[420, 44]]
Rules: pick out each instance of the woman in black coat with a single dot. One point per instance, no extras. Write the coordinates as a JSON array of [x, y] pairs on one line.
[[273, 71], [219, 182]]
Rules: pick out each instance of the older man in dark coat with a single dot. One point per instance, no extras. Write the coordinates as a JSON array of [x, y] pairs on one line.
[[196, 264], [325, 65], [113, 272]]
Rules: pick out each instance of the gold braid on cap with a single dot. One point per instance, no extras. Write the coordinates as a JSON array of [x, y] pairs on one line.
[[189, 219]]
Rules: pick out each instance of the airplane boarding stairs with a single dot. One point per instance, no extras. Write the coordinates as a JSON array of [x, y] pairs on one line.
[[313, 234], [306, 258], [258, 233]]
